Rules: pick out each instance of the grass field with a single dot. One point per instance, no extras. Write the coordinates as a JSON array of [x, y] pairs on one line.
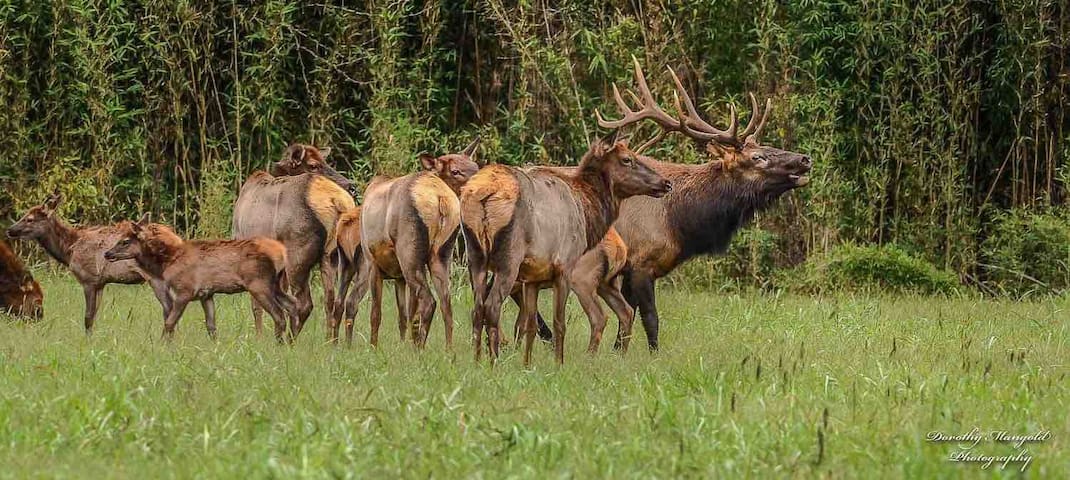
[[745, 386]]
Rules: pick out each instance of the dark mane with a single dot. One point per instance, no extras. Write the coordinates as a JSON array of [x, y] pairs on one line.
[[706, 210]]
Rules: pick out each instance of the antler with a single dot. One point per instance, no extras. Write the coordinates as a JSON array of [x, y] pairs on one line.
[[689, 122], [649, 110], [699, 129]]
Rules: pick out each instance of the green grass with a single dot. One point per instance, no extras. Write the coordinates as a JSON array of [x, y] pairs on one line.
[[741, 388]]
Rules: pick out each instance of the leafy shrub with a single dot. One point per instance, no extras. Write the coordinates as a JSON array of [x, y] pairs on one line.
[[886, 268], [1027, 252]]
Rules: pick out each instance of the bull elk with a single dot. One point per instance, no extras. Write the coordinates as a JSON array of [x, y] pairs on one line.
[[532, 226], [81, 250], [200, 269], [709, 203], [408, 227], [298, 203], [20, 295]]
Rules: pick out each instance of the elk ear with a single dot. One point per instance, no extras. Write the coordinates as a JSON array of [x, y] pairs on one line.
[[470, 150], [606, 143], [324, 151], [295, 154], [428, 162], [53, 200], [145, 218]]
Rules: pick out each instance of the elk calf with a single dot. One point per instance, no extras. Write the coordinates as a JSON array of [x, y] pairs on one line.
[[533, 225], [197, 270], [408, 226], [81, 250], [20, 295]]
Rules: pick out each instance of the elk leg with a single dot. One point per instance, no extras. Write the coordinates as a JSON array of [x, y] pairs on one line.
[[504, 279], [92, 301], [376, 315], [426, 308], [159, 288], [209, 316], [328, 274], [303, 295], [422, 303], [477, 276], [545, 334], [177, 309], [518, 328], [610, 292], [258, 316], [440, 276], [641, 296], [561, 289], [585, 277], [269, 296], [402, 300], [346, 272], [354, 298], [529, 307]]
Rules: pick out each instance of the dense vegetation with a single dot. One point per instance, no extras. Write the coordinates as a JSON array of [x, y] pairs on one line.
[[933, 124]]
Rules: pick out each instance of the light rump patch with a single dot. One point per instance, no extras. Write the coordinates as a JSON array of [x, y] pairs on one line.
[[328, 201], [488, 202], [438, 207], [348, 232]]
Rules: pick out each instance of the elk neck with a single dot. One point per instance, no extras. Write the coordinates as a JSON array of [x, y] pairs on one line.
[[708, 208], [59, 240], [159, 253], [599, 204]]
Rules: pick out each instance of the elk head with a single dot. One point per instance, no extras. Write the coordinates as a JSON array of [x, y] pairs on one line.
[[299, 158], [738, 155], [36, 222], [455, 168], [130, 245], [628, 173]]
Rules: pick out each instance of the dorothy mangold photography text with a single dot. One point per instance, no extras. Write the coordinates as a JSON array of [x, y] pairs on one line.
[[968, 442]]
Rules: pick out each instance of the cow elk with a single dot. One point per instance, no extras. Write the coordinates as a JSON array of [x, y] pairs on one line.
[[409, 226], [532, 225], [81, 250], [298, 204], [20, 295], [200, 269], [709, 202]]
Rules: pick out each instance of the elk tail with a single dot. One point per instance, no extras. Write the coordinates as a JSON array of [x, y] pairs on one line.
[[488, 203]]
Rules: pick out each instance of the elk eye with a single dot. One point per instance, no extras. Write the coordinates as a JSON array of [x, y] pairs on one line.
[[455, 172], [627, 161]]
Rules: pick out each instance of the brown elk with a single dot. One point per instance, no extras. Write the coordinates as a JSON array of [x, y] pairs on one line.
[[533, 225], [709, 202], [20, 295], [200, 269], [409, 225], [81, 250], [298, 204]]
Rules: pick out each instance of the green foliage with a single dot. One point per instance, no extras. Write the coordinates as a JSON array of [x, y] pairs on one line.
[[919, 115], [1028, 252], [885, 268]]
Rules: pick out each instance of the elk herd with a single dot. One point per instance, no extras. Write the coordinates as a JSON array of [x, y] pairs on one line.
[[605, 229]]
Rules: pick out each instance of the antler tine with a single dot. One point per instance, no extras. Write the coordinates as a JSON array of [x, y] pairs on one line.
[[694, 125], [753, 116], [628, 114], [648, 107], [756, 135]]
